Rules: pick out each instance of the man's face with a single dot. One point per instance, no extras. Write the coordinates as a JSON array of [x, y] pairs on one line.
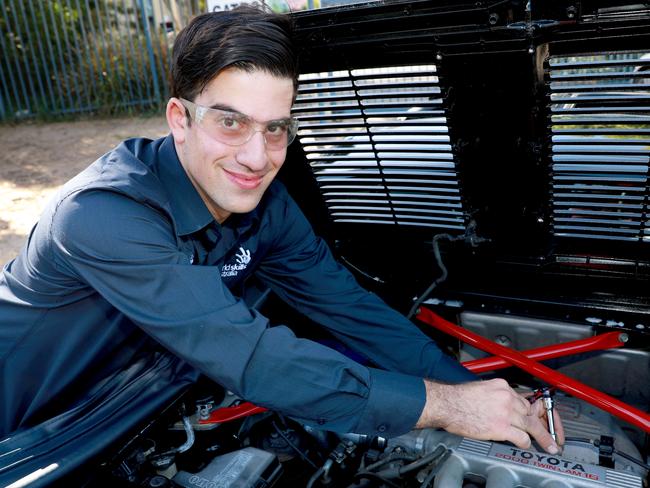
[[232, 179]]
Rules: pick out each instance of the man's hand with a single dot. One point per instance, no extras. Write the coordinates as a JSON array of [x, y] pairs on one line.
[[489, 410]]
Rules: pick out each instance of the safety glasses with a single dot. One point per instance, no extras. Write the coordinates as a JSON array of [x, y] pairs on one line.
[[235, 129]]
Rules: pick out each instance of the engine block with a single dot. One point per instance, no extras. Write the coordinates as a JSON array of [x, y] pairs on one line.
[[506, 466]]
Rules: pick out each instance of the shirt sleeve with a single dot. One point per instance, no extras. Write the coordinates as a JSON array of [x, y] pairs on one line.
[[302, 270], [127, 252]]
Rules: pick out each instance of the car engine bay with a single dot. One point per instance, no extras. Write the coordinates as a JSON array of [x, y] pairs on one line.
[[215, 439]]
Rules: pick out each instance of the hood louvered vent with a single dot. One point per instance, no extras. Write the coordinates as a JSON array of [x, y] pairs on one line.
[[600, 123], [378, 144]]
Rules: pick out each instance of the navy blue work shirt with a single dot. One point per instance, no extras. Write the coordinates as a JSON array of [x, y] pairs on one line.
[[127, 251]]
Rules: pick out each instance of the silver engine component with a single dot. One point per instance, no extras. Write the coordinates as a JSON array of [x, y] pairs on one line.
[[505, 466], [238, 469], [502, 466]]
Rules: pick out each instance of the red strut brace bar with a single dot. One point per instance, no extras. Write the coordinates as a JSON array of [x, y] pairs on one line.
[[575, 388], [608, 340], [226, 414]]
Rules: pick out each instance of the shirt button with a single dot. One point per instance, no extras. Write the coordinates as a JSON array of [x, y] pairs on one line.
[[381, 428]]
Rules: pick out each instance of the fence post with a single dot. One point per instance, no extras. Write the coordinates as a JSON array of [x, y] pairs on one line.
[[152, 60], [2, 108]]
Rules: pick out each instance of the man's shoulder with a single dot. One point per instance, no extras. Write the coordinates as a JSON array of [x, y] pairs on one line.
[[121, 186], [128, 169], [108, 222]]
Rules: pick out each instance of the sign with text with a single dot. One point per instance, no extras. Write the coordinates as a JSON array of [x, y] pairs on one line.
[[221, 5], [275, 5]]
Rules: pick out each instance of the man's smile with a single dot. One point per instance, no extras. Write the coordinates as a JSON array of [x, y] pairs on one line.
[[244, 181]]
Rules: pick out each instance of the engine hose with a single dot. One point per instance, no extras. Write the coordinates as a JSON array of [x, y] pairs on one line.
[[377, 477], [443, 269], [424, 461], [190, 436], [315, 477], [434, 469], [393, 473], [393, 456]]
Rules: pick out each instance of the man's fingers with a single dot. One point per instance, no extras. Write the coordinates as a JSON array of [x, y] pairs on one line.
[[518, 437], [521, 410], [537, 427], [521, 405]]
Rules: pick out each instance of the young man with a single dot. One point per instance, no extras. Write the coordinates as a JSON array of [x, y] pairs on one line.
[[150, 246]]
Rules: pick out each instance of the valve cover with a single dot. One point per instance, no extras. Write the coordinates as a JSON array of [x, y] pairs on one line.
[[509, 467]]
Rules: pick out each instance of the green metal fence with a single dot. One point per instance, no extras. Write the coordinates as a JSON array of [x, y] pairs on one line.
[[69, 56]]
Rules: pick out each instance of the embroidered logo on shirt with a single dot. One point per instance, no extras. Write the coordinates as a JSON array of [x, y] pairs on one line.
[[242, 258], [245, 256]]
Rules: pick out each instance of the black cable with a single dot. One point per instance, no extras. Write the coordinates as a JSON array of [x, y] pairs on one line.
[[397, 472], [632, 459], [300, 428], [393, 456], [624, 455], [435, 468], [441, 265], [582, 440], [374, 476], [293, 446], [434, 456]]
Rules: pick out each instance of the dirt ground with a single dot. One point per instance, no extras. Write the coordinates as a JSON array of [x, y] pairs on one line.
[[35, 159]]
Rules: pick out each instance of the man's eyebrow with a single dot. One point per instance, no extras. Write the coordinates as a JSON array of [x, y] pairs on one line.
[[228, 108], [225, 108]]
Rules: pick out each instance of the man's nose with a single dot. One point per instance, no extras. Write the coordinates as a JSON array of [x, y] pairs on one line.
[[252, 154]]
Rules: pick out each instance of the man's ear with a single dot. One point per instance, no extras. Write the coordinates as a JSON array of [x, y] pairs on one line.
[[176, 119]]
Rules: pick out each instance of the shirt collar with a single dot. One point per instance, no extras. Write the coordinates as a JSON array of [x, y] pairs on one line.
[[188, 209]]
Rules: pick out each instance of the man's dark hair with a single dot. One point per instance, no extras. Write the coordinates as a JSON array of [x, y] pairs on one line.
[[247, 38]]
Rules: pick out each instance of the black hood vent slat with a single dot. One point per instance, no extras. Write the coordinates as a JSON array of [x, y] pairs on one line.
[[599, 117], [378, 145]]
